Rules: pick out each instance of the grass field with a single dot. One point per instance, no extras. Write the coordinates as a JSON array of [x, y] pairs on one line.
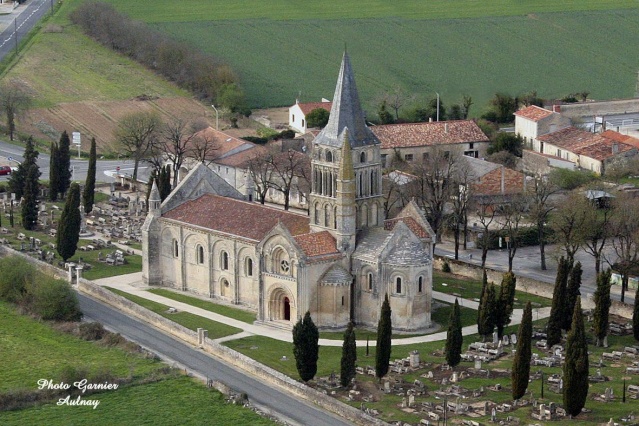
[[422, 47], [186, 319]]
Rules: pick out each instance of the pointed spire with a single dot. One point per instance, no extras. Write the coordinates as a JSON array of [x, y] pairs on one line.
[[346, 171], [155, 192], [346, 112]]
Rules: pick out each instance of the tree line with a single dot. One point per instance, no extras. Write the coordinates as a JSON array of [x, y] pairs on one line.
[[207, 77]]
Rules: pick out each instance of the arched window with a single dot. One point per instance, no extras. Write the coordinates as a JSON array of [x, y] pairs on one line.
[[329, 184], [372, 183], [248, 267], [398, 285], [224, 261], [362, 157], [420, 284], [335, 218], [320, 190], [281, 262], [369, 278], [316, 214], [175, 248], [200, 254], [327, 215], [364, 220], [329, 157]]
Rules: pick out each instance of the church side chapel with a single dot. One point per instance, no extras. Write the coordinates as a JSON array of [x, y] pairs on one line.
[[339, 261]]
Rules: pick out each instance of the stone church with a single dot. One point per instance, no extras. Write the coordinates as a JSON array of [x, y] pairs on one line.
[[338, 262]]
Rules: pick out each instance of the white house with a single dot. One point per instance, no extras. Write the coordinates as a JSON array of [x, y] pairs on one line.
[[298, 112]]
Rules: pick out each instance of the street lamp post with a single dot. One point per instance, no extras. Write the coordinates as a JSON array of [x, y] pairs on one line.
[[437, 105], [217, 122]]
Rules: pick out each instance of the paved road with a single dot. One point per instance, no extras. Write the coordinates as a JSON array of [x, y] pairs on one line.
[[21, 20], [105, 169], [292, 409]]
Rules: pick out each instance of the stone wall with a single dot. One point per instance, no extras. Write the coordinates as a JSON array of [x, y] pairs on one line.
[[583, 109], [528, 285]]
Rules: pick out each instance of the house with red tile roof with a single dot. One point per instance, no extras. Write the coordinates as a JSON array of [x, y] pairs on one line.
[[533, 121], [338, 262], [298, 112], [416, 141]]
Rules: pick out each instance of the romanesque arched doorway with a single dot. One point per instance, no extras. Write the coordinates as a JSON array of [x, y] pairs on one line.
[[287, 309], [281, 305]]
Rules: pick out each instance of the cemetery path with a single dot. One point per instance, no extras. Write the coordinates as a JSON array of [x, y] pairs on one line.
[[133, 284]]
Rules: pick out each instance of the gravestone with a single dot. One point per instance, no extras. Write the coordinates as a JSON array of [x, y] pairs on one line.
[[411, 400], [493, 415], [404, 402], [542, 411], [505, 340], [414, 359], [477, 364], [387, 387], [513, 339], [454, 377], [495, 337]]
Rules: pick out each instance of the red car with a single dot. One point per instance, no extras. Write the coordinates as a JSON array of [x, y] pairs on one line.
[[5, 170]]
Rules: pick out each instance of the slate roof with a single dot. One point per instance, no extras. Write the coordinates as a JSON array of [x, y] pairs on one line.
[[581, 142], [317, 244], [533, 113], [408, 252], [370, 243], [427, 134], [346, 112], [336, 275], [234, 217], [307, 107], [413, 225]]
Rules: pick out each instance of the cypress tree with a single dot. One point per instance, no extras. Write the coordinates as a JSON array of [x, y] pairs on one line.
[[54, 173], [521, 363], [557, 311], [576, 365], [602, 306], [572, 293], [635, 316], [505, 302], [486, 321], [88, 195], [69, 224], [64, 163], [384, 334], [454, 338], [306, 347], [165, 182], [18, 178], [349, 356], [484, 288], [30, 198]]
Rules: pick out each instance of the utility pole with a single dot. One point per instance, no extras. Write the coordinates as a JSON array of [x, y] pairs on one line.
[[437, 105], [217, 122]]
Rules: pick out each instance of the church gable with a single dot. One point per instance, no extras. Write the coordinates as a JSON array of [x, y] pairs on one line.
[[200, 181], [413, 217], [404, 248]]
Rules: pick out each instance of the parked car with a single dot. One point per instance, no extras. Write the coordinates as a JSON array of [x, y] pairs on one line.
[[5, 170]]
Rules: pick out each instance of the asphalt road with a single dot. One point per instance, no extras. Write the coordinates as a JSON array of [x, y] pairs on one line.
[[292, 409], [105, 169], [20, 22]]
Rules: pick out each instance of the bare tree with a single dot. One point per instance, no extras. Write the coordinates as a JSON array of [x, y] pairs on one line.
[[486, 212], [203, 147], [396, 99], [288, 166], [539, 192], [14, 99], [176, 139], [261, 173], [626, 239], [393, 186], [433, 187], [513, 218], [462, 193], [597, 229], [136, 135], [567, 222]]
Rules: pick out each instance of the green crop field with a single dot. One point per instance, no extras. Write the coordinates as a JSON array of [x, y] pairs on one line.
[[282, 49]]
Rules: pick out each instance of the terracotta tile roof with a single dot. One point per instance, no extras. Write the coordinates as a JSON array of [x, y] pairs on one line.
[[581, 142], [310, 106], [618, 137], [234, 217], [241, 159], [533, 113], [426, 134], [222, 144], [317, 243], [490, 183], [412, 224]]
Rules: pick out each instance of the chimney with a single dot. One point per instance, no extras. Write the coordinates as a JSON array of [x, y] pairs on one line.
[[556, 108], [503, 181]]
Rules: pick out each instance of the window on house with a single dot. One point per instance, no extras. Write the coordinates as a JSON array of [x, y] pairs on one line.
[[471, 145], [249, 267], [446, 154], [175, 248], [408, 157], [285, 266], [362, 157], [200, 254], [425, 156], [342, 300], [329, 156], [384, 160], [224, 261], [559, 153], [398, 285], [302, 123], [370, 281], [293, 118], [420, 284]]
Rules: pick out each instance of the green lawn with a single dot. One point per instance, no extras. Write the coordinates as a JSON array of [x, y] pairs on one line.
[[30, 350], [471, 289], [218, 10], [178, 401], [238, 314], [186, 319]]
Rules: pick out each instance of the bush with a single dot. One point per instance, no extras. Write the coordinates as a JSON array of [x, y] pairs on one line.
[[571, 179], [91, 331], [525, 237], [53, 299], [446, 267], [255, 139], [15, 275]]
